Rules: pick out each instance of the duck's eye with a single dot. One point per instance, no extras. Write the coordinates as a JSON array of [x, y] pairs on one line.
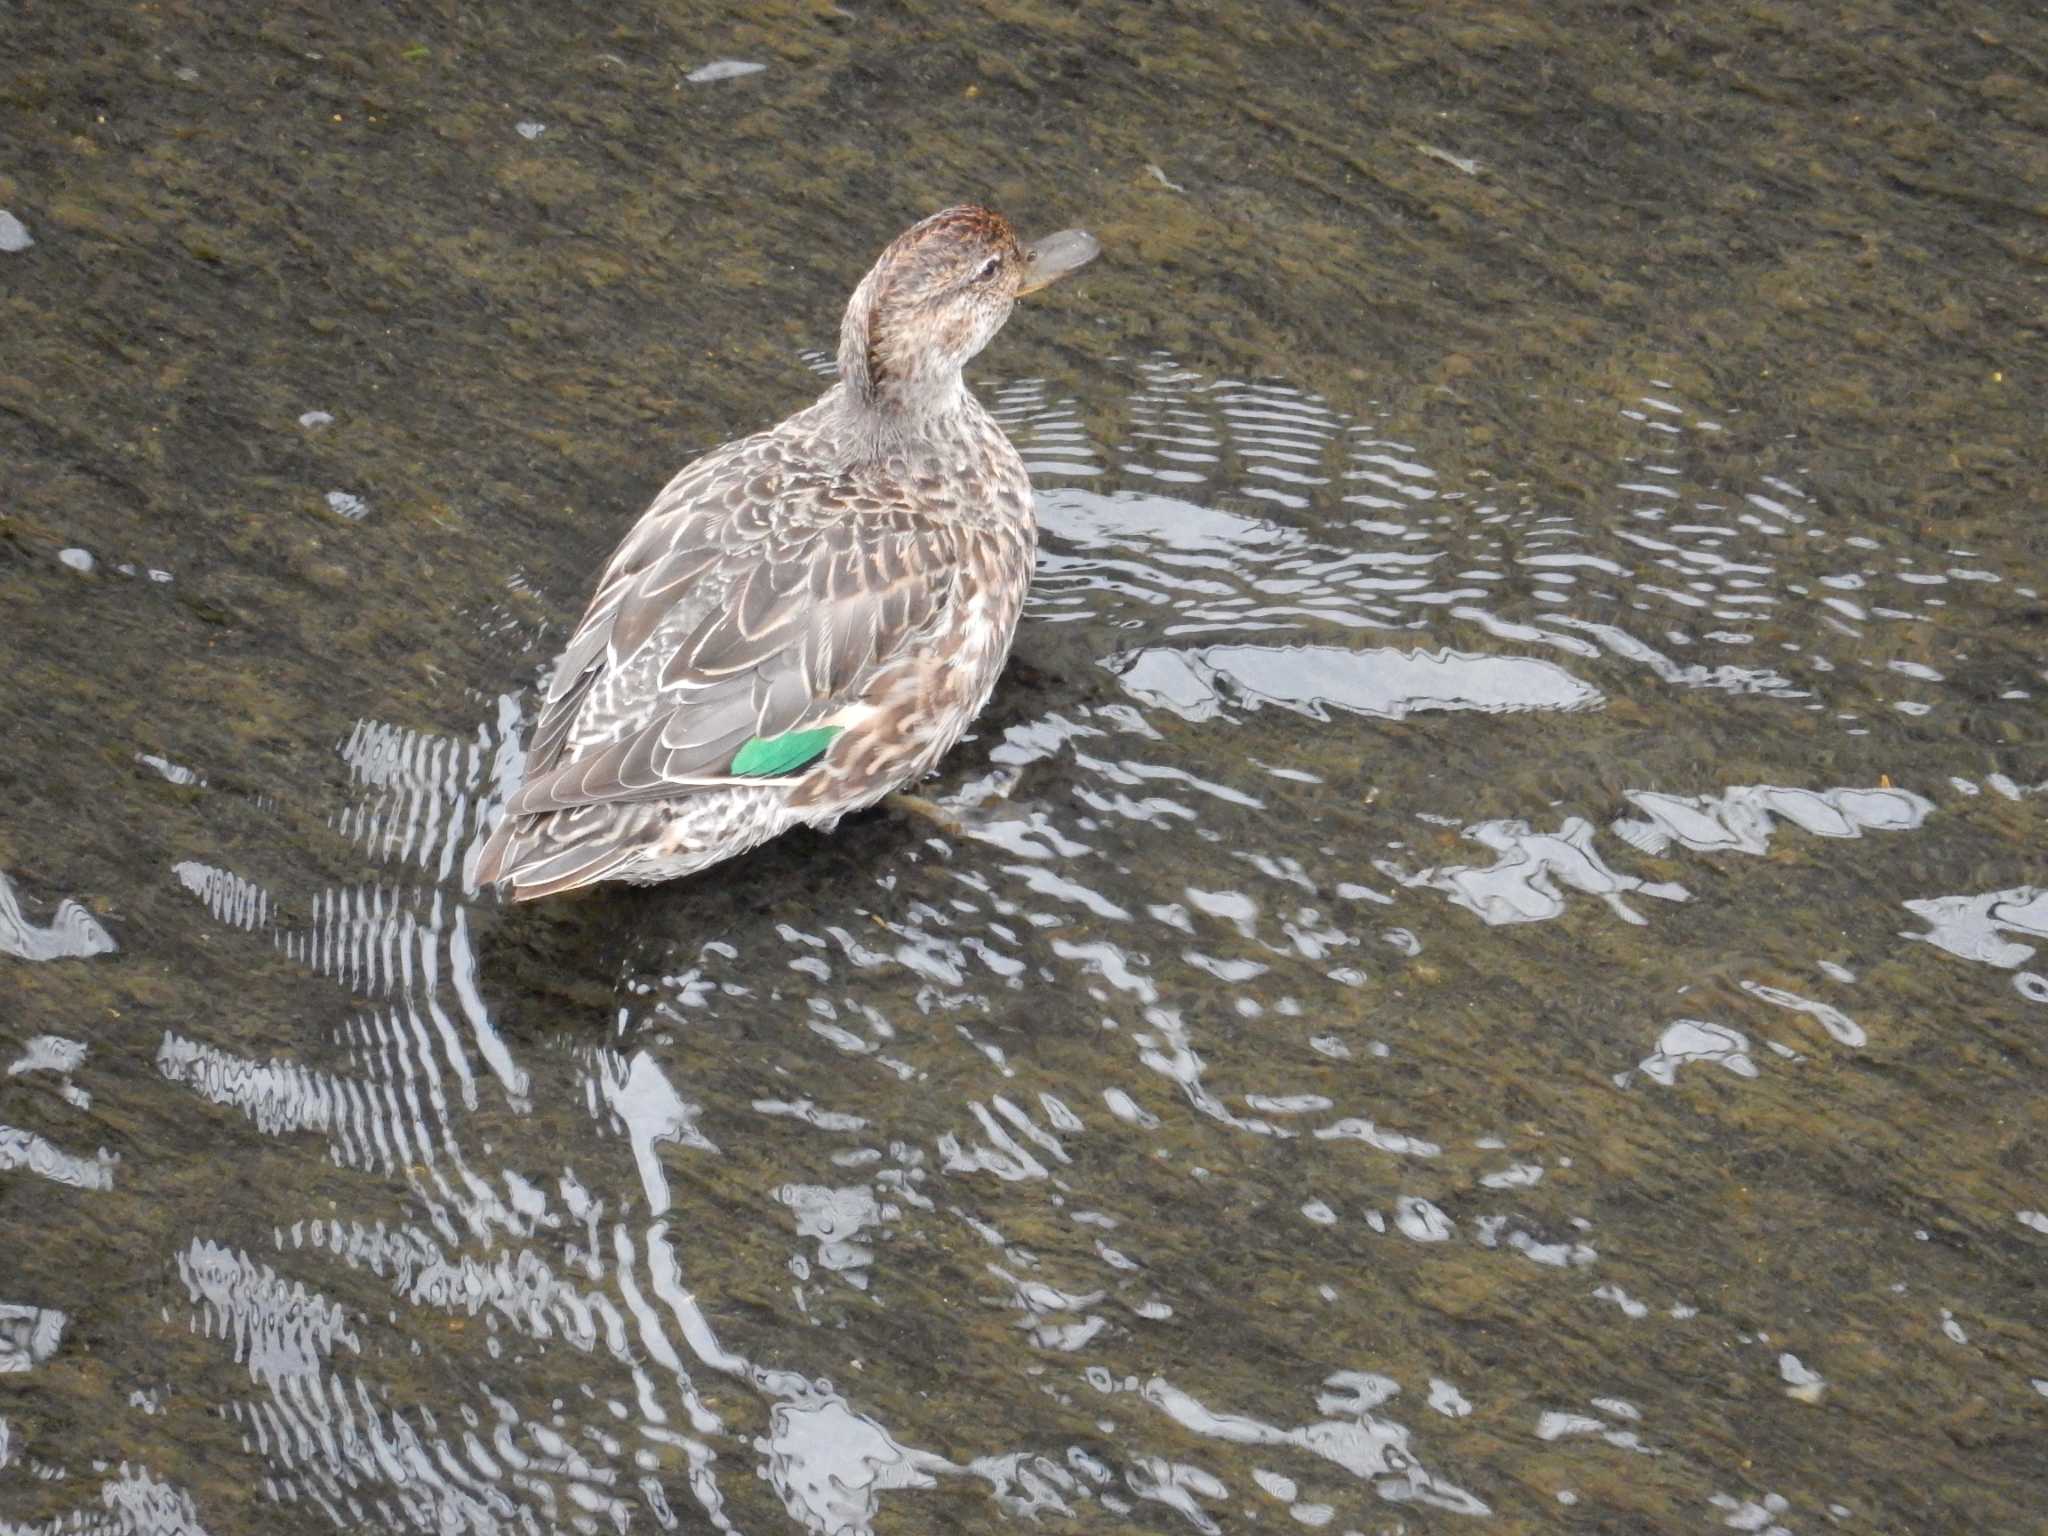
[[989, 269]]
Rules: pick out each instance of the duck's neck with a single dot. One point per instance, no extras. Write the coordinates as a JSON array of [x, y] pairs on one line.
[[924, 409], [887, 395]]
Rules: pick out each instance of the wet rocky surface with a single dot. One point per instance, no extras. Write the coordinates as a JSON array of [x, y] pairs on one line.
[[1494, 975]]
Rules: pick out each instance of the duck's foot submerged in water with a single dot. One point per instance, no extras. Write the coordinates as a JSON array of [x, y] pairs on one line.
[[968, 812], [905, 803]]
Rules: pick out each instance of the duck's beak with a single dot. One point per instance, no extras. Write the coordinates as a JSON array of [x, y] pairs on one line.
[[1050, 259]]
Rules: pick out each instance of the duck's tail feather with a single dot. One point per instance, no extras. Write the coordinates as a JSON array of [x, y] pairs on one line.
[[563, 850]]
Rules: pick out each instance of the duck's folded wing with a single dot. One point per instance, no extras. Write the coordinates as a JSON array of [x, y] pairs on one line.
[[723, 629], [681, 537]]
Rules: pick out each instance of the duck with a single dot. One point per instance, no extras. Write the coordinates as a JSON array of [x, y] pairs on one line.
[[805, 620]]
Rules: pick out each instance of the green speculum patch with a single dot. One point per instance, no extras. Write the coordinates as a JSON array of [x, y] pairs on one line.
[[769, 757]]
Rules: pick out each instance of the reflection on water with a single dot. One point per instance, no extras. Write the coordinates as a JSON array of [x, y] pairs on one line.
[[1228, 1126], [28, 1336], [1521, 886], [1970, 926], [1742, 818], [1390, 684], [72, 932]]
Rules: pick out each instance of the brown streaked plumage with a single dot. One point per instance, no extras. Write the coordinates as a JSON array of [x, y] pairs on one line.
[[805, 619]]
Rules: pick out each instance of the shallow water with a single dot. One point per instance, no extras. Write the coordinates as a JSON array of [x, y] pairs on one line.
[[1492, 975]]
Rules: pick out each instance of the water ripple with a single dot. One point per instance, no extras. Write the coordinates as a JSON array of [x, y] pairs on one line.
[[1133, 1150], [73, 933]]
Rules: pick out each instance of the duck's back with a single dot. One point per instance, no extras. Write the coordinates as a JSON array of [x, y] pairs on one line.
[[783, 592]]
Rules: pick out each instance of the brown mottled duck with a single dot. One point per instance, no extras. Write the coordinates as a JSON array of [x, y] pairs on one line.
[[805, 620]]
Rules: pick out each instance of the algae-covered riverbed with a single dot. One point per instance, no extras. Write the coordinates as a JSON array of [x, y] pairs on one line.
[[1496, 971]]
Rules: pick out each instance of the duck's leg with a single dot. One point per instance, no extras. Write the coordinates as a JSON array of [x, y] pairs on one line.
[[907, 803]]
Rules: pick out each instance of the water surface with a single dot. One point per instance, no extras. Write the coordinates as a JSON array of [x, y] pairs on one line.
[[1492, 974]]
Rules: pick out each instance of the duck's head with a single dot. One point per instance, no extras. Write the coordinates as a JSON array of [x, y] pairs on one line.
[[936, 296]]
